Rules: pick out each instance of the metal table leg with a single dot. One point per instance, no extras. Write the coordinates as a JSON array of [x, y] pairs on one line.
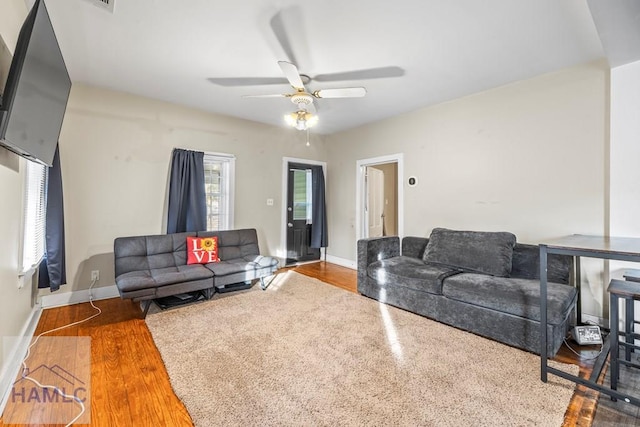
[[613, 360]]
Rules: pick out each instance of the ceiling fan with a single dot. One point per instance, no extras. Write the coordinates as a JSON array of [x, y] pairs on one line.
[[304, 117]]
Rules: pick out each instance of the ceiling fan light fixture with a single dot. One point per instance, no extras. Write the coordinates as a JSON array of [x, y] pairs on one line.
[[301, 119]]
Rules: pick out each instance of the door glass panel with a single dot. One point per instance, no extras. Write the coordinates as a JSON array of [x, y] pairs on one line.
[[300, 198]]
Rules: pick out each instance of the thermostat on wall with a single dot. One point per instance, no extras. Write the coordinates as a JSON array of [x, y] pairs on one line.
[[412, 181]]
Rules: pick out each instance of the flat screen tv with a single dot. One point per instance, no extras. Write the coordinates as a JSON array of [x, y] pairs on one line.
[[36, 92]]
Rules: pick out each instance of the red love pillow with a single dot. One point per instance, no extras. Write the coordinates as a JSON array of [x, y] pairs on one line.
[[202, 250]]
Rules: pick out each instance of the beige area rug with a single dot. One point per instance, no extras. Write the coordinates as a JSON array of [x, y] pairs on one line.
[[307, 353]]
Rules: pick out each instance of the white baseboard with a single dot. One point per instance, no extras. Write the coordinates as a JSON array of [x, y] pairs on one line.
[[76, 297], [13, 362], [342, 262]]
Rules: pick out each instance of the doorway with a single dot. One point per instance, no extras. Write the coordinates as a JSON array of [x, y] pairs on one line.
[[379, 198], [298, 210], [374, 205]]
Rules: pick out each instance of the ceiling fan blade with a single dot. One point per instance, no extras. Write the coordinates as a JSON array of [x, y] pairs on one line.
[[278, 27], [347, 92], [291, 73], [246, 81], [370, 73], [274, 95]]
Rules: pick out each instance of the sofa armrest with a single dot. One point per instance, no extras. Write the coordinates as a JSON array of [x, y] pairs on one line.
[[375, 249]]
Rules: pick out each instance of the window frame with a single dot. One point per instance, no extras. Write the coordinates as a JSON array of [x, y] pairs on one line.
[[227, 185], [308, 196], [34, 217]]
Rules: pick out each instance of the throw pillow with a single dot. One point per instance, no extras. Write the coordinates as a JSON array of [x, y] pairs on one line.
[[477, 251], [202, 250]]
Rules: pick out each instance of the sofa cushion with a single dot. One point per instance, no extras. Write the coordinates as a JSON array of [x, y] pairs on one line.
[[148, 252], [234, 244], [414, 246], [181, 273], [135, 280], [231, 266], [410, 273], [154, 278], [519, 297], [526, 264], [476, 251]]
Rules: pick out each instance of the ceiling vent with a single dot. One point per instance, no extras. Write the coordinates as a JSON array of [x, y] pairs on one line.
[[104, 4]]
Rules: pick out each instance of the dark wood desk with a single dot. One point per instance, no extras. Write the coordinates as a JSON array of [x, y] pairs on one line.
[[615, 248]]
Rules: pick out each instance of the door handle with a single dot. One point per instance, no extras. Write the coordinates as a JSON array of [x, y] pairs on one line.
[[289, 225]]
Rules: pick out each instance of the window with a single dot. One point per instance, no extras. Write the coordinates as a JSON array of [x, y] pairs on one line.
[[35, 208], [302, 192], [219, 170]]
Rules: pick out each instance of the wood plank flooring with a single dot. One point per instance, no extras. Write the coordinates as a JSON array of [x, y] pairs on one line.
[[130, 386]]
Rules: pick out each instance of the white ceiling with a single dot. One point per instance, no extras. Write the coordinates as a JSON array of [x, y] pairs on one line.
[[447, 49]]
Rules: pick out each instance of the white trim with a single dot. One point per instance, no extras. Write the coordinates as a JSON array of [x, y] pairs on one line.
[[13, 363], [231, 189], [76, 297], [342, 262], [26, 277], [213, 153], [229, 183], [34, 198], [282, 252], [360, 190]]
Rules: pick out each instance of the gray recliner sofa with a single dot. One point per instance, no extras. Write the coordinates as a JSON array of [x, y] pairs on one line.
[[484, 283], [151, 267]]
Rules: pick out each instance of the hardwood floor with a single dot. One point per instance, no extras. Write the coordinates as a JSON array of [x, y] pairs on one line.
[[130, 386]]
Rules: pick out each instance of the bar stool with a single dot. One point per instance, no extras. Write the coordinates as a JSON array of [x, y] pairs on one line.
[[632, 275], [630, 291]]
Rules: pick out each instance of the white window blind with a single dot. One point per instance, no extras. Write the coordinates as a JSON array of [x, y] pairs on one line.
[[35, 210], [219, 171], [302, 193]]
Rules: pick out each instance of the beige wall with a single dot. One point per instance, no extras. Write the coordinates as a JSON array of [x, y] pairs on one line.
[[625, 152], [115, 151], [15, 304], [528, 158]]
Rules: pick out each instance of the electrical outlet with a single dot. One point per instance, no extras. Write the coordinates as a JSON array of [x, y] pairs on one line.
[[95, 275]]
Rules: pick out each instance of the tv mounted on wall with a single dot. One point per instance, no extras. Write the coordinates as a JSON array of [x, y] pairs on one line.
[[36, 92]]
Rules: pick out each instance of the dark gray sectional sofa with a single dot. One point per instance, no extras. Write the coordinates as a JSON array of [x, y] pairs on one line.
[[150, 267], [484, 283]]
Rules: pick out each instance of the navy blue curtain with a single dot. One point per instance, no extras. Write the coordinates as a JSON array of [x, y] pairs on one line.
[[52, 271], [187, 203], [319, 235]]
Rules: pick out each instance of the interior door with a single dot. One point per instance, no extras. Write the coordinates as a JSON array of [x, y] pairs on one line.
[[375, 202], [299, 226]]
